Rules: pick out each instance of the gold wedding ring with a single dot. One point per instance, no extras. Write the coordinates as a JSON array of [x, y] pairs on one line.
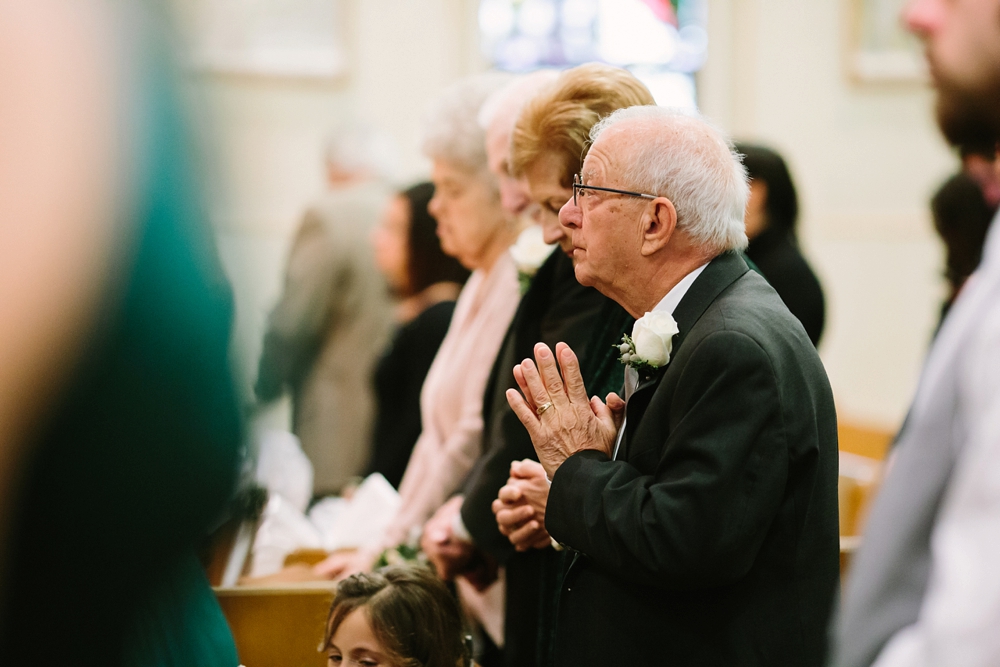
[[542, 408]]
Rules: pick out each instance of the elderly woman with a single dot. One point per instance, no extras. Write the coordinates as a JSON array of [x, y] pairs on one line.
[[548, 145], [476, 230]]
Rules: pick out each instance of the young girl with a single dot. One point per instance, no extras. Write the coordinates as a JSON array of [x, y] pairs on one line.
[[396, 617]]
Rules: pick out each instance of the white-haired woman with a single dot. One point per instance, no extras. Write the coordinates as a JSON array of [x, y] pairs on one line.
[[476, 230]]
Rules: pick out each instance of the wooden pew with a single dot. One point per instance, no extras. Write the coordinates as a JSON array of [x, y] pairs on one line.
[[278, 625], [281, 625], [865, 448], [864, 440]]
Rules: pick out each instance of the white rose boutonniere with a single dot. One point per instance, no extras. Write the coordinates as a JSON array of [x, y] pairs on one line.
[[529, 252], [651, 342]]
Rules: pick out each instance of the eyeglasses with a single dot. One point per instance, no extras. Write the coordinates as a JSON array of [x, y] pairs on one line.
[[578, 185]]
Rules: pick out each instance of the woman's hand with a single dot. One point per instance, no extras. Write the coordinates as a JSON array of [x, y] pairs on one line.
[[520, 506], [449, 554]]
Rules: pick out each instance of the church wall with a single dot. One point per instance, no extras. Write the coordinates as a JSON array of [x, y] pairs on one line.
[[266, 136], [866, 159]]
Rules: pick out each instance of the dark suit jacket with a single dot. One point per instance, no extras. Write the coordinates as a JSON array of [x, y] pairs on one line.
[[555, 308], [399, 377], [714, 539]]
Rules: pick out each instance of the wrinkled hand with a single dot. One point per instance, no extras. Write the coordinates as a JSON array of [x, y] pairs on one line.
[[559, 416], [520, 506], [342, 564], [450, 555]]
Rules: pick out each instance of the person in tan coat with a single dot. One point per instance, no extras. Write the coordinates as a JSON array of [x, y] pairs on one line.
[[333, 318]]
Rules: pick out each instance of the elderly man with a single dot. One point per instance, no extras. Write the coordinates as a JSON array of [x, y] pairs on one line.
[[702, 510], [924, 588]]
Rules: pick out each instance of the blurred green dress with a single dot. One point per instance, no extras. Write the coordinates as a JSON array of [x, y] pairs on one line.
[[135, 459]]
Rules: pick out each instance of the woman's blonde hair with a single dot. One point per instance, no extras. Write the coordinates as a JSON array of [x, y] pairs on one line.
[[558, 120]]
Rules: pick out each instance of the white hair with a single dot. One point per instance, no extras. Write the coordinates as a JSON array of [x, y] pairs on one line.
[[356, 148], [451, 128], [507, 102], [680, 155]]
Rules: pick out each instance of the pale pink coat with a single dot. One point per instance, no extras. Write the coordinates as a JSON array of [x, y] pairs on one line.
[[451, 401]]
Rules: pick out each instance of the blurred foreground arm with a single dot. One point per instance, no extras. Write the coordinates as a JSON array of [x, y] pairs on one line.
[[958, 618], [57, 120]]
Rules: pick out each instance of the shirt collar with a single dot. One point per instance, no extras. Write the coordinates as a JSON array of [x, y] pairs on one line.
[[669, 302]]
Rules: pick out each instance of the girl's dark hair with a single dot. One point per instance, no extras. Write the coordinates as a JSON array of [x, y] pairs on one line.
[[427, 264], [961, 217], [782, 204], [411, 613]]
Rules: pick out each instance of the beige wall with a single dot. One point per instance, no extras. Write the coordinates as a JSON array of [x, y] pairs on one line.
[[266, 134], [866, 160]]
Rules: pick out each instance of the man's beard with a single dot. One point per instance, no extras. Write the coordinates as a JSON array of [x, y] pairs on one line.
[[969, 120]]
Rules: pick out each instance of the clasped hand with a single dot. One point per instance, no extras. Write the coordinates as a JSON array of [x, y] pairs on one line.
[[520, 506], [449, 554], [561, 419]]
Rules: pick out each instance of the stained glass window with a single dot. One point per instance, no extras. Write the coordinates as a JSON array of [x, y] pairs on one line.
[[662, 41]]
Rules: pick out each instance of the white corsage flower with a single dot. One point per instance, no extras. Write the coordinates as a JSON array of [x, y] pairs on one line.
[[651, 342], [529, 252]]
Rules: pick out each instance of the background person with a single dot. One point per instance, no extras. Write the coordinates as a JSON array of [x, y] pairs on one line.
[[771, 219], [408, 252], [334, 315], [962, 218]]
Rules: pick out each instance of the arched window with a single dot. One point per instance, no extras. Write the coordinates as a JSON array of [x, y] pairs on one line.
[[663, 42]]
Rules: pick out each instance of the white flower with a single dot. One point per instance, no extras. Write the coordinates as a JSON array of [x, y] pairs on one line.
[[530, 250], [653, 337]]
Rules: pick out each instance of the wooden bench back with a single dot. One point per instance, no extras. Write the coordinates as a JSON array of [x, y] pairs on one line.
[[279, 626]]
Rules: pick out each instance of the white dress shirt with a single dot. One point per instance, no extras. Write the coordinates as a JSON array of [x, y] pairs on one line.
[[668, 304], [960, 613]]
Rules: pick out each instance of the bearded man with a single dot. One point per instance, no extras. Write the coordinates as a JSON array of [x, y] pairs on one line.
[[702, 509], [924, 587]]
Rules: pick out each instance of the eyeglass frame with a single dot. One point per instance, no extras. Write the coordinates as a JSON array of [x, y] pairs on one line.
[[578, 185]]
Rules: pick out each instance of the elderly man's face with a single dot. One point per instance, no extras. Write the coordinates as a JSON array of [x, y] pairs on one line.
[[605, 228], [963, 49], [513, 193]]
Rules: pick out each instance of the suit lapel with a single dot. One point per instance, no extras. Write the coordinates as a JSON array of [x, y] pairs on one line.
[[534, 301], [721, 272], [534, 304]]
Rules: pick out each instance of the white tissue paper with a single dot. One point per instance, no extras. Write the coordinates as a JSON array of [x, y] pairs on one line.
[[283, 529], [332, 523], [358, 522], [283, 468]]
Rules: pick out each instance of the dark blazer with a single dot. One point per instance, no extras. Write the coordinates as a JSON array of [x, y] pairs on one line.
[[776, 253], [555, 308], [714, 539], [399, 377]]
